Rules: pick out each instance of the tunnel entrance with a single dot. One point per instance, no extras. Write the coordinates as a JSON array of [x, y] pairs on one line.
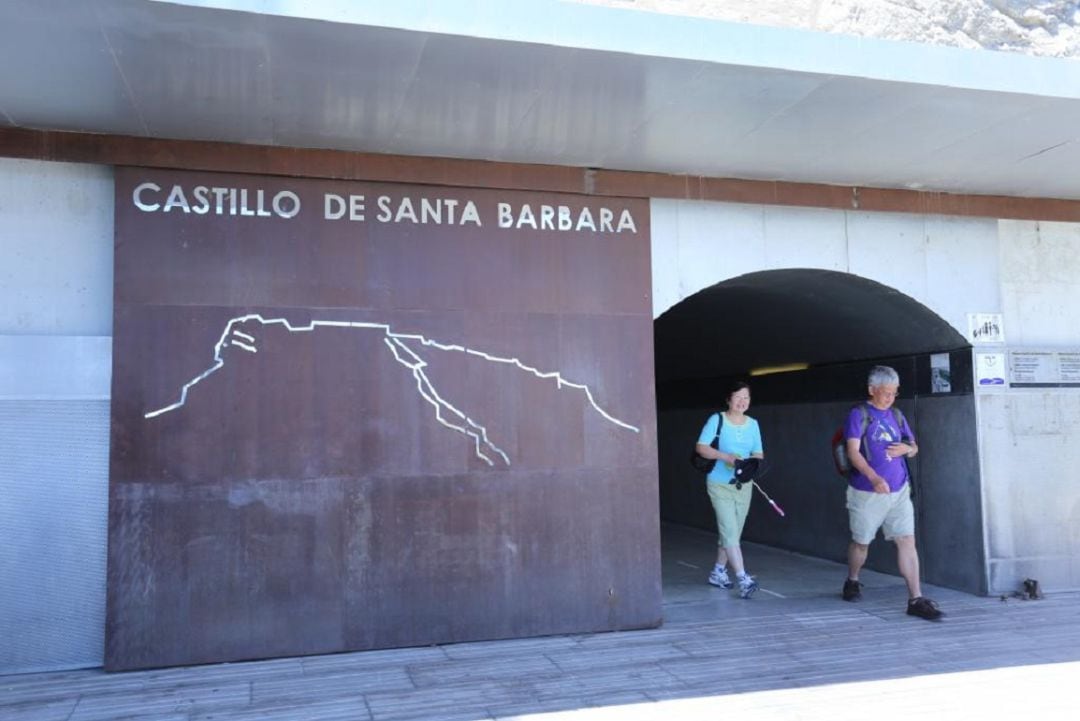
[[833, 326]]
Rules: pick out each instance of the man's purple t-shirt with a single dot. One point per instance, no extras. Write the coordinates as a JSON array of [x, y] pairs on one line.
[[881, 431]]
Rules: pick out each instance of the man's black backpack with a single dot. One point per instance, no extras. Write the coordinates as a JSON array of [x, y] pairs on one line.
[[702, 464]]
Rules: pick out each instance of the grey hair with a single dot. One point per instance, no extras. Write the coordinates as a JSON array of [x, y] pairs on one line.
[[882, 376]]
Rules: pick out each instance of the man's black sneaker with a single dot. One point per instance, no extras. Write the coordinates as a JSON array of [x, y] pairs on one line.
[[923, 607], [852, 590]]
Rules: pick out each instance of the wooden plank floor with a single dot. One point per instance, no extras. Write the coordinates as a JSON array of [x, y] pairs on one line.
[[795, 651]]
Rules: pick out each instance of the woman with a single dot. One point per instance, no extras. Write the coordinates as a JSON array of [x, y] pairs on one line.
[[739, 437]]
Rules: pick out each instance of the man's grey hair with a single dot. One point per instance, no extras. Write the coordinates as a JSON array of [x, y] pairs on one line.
[[882, 376]]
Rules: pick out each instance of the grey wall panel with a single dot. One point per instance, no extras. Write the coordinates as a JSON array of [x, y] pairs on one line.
[[53, 516], [950, 496], [56, 232], [55, 367], [56, 228], [803, 481]]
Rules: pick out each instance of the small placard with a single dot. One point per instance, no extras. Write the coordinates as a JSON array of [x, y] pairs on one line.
[[985, 328]]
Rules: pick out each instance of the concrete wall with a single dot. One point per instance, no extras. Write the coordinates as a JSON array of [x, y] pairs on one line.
[[55, 319], [1028, 436], [55, 323], [930, 258], [950, 265], [1028, 271]]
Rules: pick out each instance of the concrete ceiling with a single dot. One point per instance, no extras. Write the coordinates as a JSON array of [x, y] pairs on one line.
[[555, 83], [770, 318]]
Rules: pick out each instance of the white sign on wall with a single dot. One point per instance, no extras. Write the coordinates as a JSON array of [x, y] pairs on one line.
[[1044, 369], [990, 370], [985, 328]]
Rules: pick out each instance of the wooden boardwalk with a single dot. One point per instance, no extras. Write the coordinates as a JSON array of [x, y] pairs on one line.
[[795, 651]]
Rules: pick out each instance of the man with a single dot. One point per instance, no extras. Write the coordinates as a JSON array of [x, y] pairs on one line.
[[878, 439]]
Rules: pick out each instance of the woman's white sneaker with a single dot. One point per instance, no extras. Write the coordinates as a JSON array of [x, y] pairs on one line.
[[719, 577]]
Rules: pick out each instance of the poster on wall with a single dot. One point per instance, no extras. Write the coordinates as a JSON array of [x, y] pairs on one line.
[[940, 373], [352, 415]]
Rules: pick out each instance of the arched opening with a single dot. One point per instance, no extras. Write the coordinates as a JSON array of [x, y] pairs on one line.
[[838, 326]]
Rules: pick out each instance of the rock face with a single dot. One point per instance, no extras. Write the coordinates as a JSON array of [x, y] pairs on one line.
[[1035, 27]]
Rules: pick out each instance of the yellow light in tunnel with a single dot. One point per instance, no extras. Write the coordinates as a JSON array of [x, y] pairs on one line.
[[786, 368]]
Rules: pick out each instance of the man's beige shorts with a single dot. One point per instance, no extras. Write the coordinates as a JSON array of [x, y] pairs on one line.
[[731, 506], [891, 512]]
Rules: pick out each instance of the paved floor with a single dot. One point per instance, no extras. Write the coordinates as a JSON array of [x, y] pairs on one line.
[[794, 651]]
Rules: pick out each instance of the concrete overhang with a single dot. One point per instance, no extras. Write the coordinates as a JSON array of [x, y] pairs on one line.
[[539, 81]]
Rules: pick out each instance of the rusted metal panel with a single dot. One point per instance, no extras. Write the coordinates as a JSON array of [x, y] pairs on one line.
[[333, 434]]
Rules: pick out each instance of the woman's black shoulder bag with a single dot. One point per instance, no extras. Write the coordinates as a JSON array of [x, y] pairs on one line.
[[702, 464]]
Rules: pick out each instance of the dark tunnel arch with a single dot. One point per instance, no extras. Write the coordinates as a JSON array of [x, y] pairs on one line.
[[840, 325], [793, 315]]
